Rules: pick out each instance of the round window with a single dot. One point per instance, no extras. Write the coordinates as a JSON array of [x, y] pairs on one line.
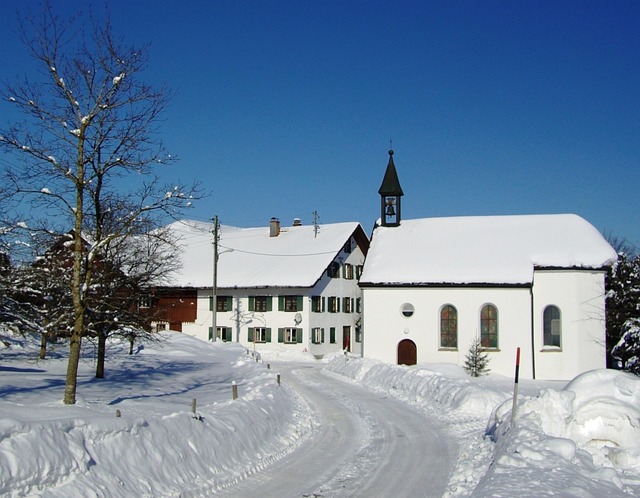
[[407, 309]]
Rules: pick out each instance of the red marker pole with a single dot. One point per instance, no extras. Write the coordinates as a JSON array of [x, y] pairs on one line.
[[515, 387]]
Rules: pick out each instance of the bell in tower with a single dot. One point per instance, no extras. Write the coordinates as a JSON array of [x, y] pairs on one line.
[[390, 195]]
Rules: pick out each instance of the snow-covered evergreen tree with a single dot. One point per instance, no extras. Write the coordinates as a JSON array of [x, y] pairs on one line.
[[628, 348], [623, 310], [476, 361]]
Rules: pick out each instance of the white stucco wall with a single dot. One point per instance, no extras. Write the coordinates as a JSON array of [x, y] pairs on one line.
[[385, 326], [325, 287], [580, 297], [578, 294]]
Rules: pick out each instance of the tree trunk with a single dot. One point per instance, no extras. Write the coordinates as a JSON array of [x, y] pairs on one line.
[[79, 284], [43, 346], [72, 367], [75, 341], [102, 349], [132, 338]]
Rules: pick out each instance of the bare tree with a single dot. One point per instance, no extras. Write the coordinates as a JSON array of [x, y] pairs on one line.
[[89, 133], [125, 272]]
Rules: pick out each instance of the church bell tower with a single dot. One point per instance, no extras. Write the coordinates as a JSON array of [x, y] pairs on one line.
[[390, 196]]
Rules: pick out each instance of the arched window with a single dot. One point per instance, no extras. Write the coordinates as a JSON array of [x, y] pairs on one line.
[[552, 326], [489, 326], [448, 327]]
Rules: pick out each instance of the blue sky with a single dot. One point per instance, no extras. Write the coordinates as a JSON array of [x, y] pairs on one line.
[[493, 107]]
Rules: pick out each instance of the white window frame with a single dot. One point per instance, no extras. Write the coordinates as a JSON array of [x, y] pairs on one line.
[[260, 334], [290, 335], [316, 335]]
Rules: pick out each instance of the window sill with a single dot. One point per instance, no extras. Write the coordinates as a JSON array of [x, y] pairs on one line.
[[551, 349], [490, 350], [447, 349]]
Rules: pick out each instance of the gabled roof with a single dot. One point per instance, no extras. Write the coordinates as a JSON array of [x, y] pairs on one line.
[[250, 258], [482, 249]]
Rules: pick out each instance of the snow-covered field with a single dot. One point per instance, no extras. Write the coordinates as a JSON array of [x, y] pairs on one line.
[[580, 440]]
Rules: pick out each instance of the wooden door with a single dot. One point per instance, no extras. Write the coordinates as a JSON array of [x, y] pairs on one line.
[[346, 338], [407, 352]]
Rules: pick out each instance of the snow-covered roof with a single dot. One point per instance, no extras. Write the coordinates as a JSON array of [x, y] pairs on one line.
[[251, 258], [482, 249]]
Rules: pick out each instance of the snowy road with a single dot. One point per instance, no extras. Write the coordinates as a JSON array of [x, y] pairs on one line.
[[365, 444]]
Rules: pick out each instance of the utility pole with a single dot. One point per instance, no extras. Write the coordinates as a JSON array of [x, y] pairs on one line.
[[214, 293]]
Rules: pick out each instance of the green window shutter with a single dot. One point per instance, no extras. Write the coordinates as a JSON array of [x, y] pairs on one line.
[[322, 335], [252, 303], [229, 303], [280, 303], [250, 334], [332, 335], [269, 303], [210, 333], [337, 305], [280, 335], [298, 336], [323, 304], [298, 303], [268, 335], [210, 303]]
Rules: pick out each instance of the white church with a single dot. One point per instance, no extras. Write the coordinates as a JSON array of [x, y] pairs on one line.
[[535, 282]]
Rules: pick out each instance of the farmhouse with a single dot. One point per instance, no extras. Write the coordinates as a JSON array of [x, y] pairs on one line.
[[287, 288], [535, 282]]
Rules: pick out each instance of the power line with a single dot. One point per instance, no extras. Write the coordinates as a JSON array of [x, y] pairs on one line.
[[278, 255]]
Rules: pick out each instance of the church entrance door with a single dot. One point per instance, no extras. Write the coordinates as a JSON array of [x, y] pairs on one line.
[[407, 352]]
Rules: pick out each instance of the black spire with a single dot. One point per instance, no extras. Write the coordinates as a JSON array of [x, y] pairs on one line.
[[390, 193], [390, 183]]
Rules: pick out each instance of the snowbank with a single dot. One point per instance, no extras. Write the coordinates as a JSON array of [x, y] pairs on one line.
[[590, 429], [451, 391], [582, 440], [158, 446]]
